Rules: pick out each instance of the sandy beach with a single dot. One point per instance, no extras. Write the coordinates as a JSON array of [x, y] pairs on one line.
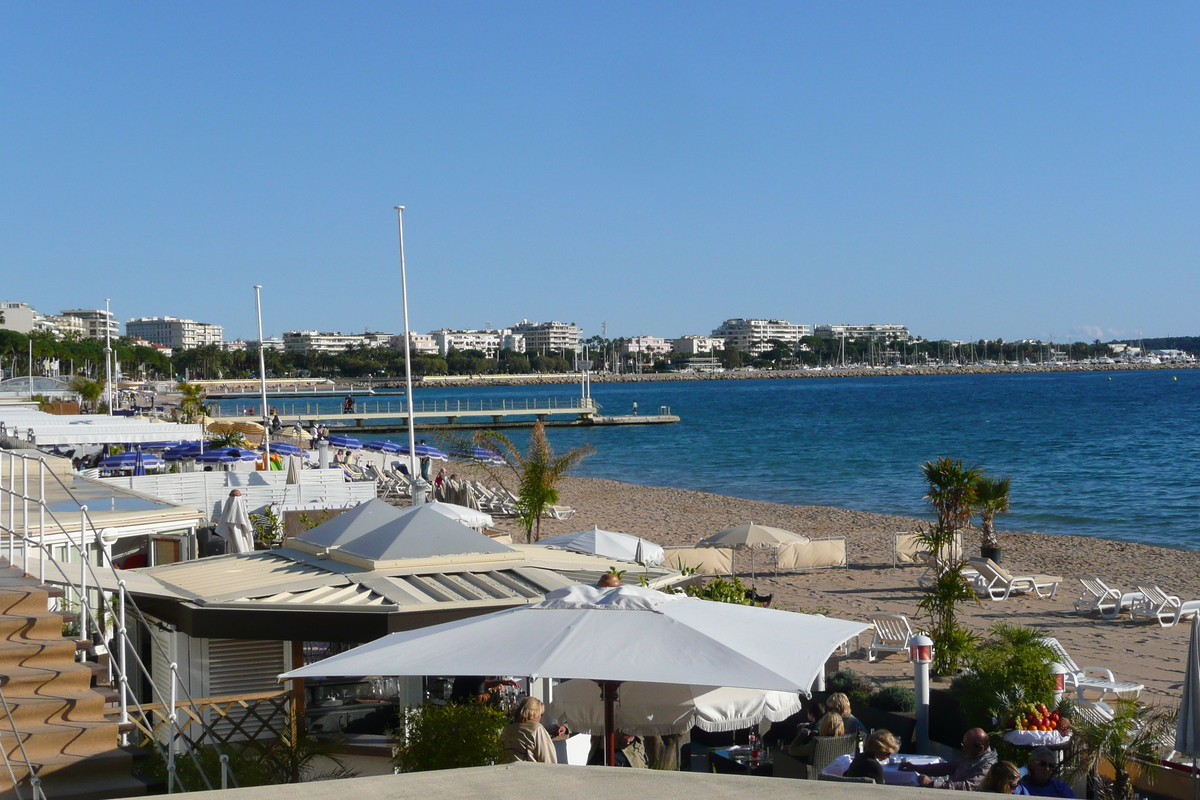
[[1140, 652]]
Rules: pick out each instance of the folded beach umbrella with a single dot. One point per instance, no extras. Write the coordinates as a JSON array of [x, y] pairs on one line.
[[612, 635], [1187, 731], [344, 442], [658, 709], [234, 525], [382, 446], [609, 544]]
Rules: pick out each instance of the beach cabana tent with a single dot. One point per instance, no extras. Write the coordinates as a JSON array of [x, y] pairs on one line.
[[612, 636], [609, 543], [751, 536]]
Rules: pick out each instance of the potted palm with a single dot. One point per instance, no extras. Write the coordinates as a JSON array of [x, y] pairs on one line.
[[991, 498]]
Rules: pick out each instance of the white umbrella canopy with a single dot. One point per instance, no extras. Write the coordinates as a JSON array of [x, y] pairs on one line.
[[752, 535], [615, 635], [235, 525], [467, 516], [658, 709], [610, 544], [1187, 732]]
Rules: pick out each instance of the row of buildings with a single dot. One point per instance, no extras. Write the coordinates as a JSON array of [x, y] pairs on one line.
[[754, 336]]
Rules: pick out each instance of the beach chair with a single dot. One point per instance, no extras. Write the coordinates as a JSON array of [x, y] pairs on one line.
[[1098, 679], [998, 583], [1099, 596], [890, 634], [1166, 609]]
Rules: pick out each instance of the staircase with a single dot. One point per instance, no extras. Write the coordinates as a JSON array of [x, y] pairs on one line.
[[58, 716]]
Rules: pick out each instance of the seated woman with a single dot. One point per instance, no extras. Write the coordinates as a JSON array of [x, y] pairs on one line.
[[524, 739], [869, 763], [841, 704], [831, 725], [1003, 778]]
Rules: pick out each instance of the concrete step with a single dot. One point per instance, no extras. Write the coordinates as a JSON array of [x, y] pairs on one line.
[[45, 680], [83, 705], [96, 777], [30, 625], [50, 740], [37, 652]]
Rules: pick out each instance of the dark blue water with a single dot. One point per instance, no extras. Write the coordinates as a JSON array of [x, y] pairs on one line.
[[1112, 455]]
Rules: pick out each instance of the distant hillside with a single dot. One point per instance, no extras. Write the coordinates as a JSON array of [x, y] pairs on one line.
[[1188, 344]]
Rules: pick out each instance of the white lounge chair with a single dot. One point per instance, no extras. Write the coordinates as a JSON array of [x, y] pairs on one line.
[[998, 583], [1098, 679], [1166, 609], [934, 568], [890, 634], [1099, 596]]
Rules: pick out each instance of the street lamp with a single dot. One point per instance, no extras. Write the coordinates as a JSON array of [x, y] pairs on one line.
[[1059, 672], [262, 378], [920, 652]]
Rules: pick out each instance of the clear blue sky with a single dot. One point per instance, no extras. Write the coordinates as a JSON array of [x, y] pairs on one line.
[[968, 169]]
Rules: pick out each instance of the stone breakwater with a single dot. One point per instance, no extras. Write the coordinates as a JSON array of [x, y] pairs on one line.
[[835, 372]]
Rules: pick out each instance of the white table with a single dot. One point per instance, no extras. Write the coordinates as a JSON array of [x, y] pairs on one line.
[[892, 774]]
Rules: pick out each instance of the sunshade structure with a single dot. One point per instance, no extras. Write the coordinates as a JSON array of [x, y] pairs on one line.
[[282, 449], [344, 442], [183, 452], [235, 525], [47, 430], [613, 636], [1187, 732], [382, 446], [751, 536], [658, 709], [226, 455], [133, 460], [470, 517], [609, 543], [425, 451]]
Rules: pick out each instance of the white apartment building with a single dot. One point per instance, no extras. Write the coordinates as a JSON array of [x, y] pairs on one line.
[[314, 342], [549, 336], [95, 321], [420, 344], [892, 333], [19, 317], [646, 344], [696, 345], [175, 333], [753, 335], [237, 345], [490, 343]]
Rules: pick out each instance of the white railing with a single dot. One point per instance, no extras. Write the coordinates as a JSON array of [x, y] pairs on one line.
[[559, 405], [88, 615]]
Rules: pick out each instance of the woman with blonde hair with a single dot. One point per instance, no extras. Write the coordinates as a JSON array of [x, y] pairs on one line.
[[841, 704], [831, 725], [1003, 778], [869, 763], [524, 739]]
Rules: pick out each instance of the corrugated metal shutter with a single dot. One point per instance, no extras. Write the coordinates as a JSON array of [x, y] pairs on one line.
[[242, 666]]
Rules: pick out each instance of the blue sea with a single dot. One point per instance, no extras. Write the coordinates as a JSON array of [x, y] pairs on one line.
[[1107, 454]]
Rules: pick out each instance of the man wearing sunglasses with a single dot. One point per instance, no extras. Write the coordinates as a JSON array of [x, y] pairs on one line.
[[1040, 782]]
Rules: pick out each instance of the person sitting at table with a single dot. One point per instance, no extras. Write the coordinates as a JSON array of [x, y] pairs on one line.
[[809, 728], [524, 739], [869, 763], [1040, 782], [841, 704], [1003, 778], [965, 774], [831, 725]]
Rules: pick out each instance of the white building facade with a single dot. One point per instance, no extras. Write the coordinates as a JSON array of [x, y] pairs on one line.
[[697, 345], [420, 344], [95, 321], [891, 333], [646, 344], [544, 337], [754, 335], [178, 334], [490, 343]]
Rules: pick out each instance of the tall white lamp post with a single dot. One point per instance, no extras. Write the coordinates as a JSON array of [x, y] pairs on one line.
[[920, 652], [108, 397], [262, 380], [419, 486]]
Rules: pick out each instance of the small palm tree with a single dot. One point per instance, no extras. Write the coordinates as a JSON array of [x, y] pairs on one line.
[[537, 472], [991, 498], [89, 391], [231, 439], [1131, 740], [191, 406], [952, 490]]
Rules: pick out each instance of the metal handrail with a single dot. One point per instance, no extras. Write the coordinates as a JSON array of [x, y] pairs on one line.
[[86, 611]]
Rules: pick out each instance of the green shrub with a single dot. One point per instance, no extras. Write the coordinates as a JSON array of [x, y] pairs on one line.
[[851, 684], [894, 698], [449, 737], [1011, 667], [721, 591]]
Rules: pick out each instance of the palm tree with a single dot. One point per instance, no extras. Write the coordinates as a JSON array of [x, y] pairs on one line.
[[89, 391], [537, 472], [991, 498], [952, 490], [1131, 740], [191, 407]]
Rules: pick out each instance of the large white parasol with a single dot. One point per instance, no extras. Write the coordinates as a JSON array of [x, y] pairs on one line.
[[235, 525], [616, 635], [609, 543], [1187, 732]]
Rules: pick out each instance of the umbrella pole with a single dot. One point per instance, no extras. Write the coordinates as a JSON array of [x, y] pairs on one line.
[[608, 692]]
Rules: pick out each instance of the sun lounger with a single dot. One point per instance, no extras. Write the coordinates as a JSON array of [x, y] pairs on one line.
[[1098, 679], [1099, 596], [890, 634], [1166, 609], [935, 568], [998, 583]]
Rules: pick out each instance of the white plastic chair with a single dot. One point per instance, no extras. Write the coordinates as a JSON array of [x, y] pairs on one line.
[[998, 583], [1099, 679], [1099, 596], [890, 634], [1166, 609]]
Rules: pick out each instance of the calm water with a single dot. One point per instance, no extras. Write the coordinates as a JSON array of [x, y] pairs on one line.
[[1113, 455]]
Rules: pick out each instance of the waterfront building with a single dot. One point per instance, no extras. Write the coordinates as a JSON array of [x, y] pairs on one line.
[[890, 333], [754, 335], [95, 322], [19, 317], [646, 344], [696, 345], [314, 342], [178, 334], [489, 342], [419, 344], [237, 345], [543, 337]]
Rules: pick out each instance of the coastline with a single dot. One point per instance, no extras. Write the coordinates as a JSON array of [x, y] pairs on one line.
[[1134, 651]]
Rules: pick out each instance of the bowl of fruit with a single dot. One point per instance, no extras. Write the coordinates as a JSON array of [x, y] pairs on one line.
[[1035, 724]]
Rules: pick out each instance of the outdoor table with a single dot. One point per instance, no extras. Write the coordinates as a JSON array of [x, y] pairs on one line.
[[736, 760], [892, 774]]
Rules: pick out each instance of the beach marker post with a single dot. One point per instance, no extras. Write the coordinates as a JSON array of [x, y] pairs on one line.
[[1060, 680], [920, 652]]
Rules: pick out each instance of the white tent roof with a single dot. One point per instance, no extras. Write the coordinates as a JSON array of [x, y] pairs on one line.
[[54, 429], [467, 516], [609, 543]]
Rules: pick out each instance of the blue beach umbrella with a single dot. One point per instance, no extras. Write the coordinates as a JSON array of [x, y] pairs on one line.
[[480, 454], [226, 455], [183, 451], [425, 451], [150, 446], [283, 449], [382, 446], [345, 442], [132, 460]]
